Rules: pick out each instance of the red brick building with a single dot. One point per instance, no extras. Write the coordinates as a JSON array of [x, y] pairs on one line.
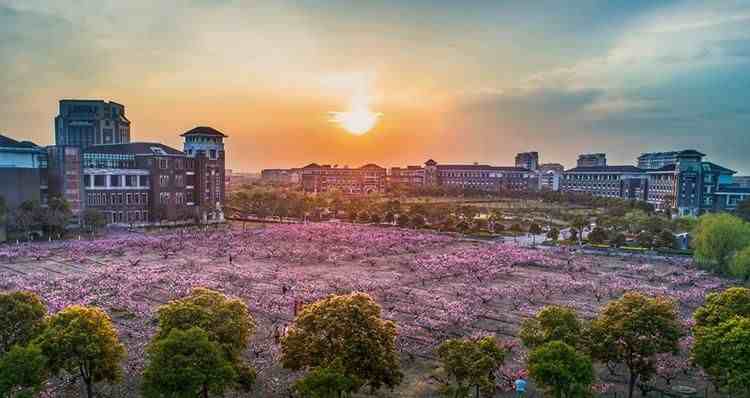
[[364, 180]]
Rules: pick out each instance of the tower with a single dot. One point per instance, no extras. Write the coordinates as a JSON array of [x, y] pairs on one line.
[[205, 145]]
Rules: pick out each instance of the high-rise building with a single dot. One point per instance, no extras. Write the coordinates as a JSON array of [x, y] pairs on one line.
[[592, 160], [83, 123], [528, 160]]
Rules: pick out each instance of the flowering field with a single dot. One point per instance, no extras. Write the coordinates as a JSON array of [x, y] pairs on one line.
[[434, 286]]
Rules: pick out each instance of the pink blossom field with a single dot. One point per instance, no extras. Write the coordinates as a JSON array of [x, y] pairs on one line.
[[433, 286]]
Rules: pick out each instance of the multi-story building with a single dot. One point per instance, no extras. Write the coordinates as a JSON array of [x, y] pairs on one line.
[[480, 177], [143, 182], [728, 197], [657, 160], [84, 123], [406, 176], [626, 182], [592, 160], [528, 160], [741, 181], [550, 175], [367, 179], [280, 176]]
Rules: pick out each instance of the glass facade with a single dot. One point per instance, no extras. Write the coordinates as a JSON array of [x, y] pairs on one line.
[[108, 161]]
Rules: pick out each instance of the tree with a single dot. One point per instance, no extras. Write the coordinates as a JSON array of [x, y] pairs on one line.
[[23, 371], [666, 239], [418, 221], [553, 234], [579, 223], [717, 238], [645, 239], [562, 370], [598, 236], [21, 319], [57, 214], [82, 341], [743, 209], [93, 219], [347, 332], [632, 330], [740, 267], [403, 220], [516, 229], [723, 351], [226, 321], [186, 363], [617, 240], [324, 382], [551, 323], [470, 363], [723, 306], [534, 230], [27, 216]]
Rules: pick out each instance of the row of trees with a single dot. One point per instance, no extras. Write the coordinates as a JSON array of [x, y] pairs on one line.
[[722, 244]]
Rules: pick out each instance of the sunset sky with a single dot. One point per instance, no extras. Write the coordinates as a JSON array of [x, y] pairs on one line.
[[457, 81]]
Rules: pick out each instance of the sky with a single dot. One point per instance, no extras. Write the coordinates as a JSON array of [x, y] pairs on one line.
[[456, 81]]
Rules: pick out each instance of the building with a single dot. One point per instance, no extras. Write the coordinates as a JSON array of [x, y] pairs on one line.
[[83, 123], [406, 176], [364, 180], [528, 160], [592, 160], [140, 183], [550, 175], [728, 197], [741, 181], [480, 177], [624, 182], [280, 176], [657, 160]]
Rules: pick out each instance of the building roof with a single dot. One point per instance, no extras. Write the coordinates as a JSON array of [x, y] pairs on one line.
[[203, 130], [134, 148], [430, 162], [686, 152], [328, 166], [480, 167], [606, 169], [727, 189], [7, 142], [664, 169], [719, 168]]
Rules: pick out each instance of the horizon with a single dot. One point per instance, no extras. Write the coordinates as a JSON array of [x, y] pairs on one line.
[[393, 84]]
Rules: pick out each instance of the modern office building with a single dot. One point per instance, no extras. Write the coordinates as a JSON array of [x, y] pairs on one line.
[[364, 180], [550, 175], [528, 160], [741, 181], [83, 123], [480, 177], [592, 160]]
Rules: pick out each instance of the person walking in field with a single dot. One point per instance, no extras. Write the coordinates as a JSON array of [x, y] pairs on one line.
[[520, 385]]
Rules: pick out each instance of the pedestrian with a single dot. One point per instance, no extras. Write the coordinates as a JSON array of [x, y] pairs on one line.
[[520, 384]]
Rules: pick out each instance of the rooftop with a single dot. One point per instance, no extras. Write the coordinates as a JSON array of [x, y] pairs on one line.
[[203, 130], [134, 148], [606, 169], [7, 142]]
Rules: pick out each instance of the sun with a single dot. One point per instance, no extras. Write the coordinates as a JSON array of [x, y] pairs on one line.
[[358, 119]]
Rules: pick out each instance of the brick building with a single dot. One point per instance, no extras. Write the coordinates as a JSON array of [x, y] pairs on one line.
[[367, 179], [480, 177]]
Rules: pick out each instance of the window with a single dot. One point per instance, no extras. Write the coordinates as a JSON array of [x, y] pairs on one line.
[[212, 153], [164, 198], [163, 163], [131, 181], [144, 181], [115, 181], [179, 180], [163, 180]]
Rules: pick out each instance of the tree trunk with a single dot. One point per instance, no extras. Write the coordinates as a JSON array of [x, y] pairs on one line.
[[89, 388], [631, 384], [205, 391]]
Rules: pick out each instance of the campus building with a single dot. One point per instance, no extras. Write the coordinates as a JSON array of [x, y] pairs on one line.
[[280, 176], [84, 123], [625, 182], [592, 160], [528, 160], [367, 179], [480, 177], [657, 160], [406, 176], [550, 175]]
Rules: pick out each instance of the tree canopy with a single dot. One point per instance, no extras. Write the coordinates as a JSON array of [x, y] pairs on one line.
[[723, 306], [23, 371], [348, 333], [21, 318], [717, 238], [82, 341], [560, 369], [632, 330], [469, 363], [549, 324], [723, 351]]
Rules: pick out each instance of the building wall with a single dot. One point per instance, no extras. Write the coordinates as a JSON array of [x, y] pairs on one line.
[[84, 123], [19, 185]]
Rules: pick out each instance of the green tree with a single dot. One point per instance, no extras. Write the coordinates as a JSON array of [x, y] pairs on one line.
[[83, 341], [553, 234], [617, 240], [723, 306], [579, 223], [23, 371], [740, 267], [717, 238], [418, 221], [345, 331], [636, 220], [632, 330], [534, 230], [21, 319], [93, 219], [325, 382], [27, 216], [57, 214], [665, 238], [560, 369], [743, 210], [469, 363], [598, 236], [186, 363], [551, 323], [645, 239], [723, 351]]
